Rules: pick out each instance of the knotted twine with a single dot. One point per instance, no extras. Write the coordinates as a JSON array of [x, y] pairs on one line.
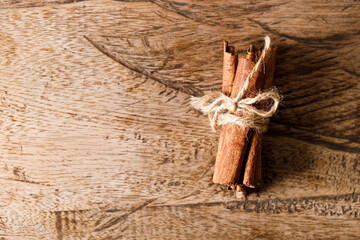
[[223, 110]]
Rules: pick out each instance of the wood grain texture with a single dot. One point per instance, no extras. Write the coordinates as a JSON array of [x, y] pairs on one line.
[[98, 140]]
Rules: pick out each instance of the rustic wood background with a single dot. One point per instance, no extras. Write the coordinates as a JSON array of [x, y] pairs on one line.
[[98, 140]]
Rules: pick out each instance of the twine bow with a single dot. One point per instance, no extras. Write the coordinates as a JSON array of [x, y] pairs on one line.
[[222, 109]]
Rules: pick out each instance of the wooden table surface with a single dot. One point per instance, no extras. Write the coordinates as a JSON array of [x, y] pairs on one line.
[[98, 140]]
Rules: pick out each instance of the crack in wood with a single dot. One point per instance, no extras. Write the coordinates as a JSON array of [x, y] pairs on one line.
[[312, 41], [169, 6], [116, 220], [34, 4], [189, 91], [309, 136], [289, 205], [352, 73], [26, 181]]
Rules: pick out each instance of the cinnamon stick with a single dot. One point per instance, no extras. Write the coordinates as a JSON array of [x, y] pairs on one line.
[[229, 68], [233, 141], [252, 172]]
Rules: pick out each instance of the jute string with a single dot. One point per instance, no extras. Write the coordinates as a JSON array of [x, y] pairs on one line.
[[222, 109]]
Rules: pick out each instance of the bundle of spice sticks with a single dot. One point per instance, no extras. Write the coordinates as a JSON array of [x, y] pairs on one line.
[[238, 159]]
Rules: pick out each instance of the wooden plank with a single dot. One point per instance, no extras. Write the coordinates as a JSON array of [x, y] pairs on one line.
[[98, 139]]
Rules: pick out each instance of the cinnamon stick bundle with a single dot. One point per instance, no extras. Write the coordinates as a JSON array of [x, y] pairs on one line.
[[238, 160]]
